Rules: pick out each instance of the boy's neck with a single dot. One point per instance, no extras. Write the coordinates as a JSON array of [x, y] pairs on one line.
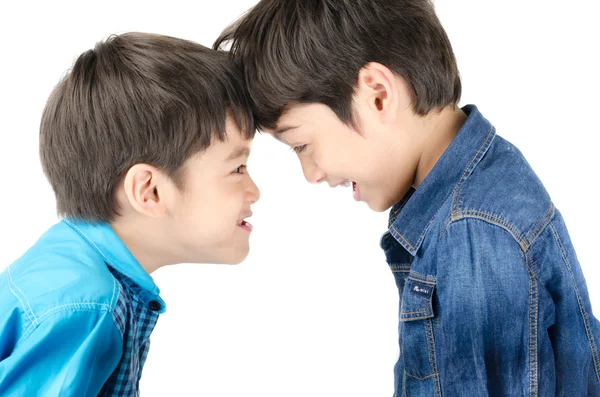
[[438, 131], [136, 239]]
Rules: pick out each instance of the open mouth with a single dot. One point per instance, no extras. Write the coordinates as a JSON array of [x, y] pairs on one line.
[[245, 225], [345, 183], [355, 191]]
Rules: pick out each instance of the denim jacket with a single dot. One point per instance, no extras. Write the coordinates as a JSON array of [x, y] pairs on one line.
[[493, 301]]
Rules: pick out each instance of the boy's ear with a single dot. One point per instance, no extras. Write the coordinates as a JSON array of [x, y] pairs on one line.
[[377, 87], [144, 187]]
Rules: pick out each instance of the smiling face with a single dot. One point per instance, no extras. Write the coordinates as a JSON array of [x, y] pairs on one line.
[[207, 220], [378, 158]]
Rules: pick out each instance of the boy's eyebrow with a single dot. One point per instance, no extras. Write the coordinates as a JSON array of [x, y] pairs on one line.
[[284, 128], [242, 151]]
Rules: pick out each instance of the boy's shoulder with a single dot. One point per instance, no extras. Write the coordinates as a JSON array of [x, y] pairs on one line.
[[61, 272], [504, 190]]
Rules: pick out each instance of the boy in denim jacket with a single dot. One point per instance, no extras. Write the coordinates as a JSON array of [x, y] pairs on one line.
[[145, 143], [492, 298]]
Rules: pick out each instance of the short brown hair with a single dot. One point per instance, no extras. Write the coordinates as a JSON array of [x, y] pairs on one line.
[[303, 51], [134, 98]]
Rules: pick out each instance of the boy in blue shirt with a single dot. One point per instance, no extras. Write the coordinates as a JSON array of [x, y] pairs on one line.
[[492, 298], [145, 143]]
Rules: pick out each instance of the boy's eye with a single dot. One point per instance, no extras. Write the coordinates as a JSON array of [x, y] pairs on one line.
[[299, 149], [240, 170]]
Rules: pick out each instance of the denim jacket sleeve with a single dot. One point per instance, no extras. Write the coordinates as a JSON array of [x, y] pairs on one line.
[[487, 305], [518, 316], [68, 353], [571, 328]]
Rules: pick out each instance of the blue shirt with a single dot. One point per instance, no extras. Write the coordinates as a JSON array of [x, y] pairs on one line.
[[76, 314], [492, 298]]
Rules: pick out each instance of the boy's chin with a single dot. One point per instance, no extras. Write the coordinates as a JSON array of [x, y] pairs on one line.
[[236, 261], [378, 205], [234, 257]]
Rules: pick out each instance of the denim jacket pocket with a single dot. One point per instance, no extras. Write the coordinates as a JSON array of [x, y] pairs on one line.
[[416, 300], [417, 342]]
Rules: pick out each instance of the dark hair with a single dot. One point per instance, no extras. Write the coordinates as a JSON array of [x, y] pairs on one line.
[[303, 51], [135, 98]]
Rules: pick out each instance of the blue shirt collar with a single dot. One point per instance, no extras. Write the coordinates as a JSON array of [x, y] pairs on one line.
[[410, 218], [104, 240]]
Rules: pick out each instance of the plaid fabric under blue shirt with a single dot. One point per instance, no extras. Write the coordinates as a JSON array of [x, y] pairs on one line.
[[135, 320]]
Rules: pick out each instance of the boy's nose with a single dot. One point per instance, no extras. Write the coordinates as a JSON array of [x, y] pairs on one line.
[[253, 194], [311, 171]]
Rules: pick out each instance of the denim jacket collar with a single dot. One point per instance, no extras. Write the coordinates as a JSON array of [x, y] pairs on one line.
[[410, 217]]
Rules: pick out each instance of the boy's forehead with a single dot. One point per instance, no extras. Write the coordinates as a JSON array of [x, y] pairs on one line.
[[281, 129], [297, 114], [233, 136], [235, 145], [239, 151], [286, 122]]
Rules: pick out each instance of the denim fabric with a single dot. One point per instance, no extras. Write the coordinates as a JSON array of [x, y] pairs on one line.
[[493, 301]]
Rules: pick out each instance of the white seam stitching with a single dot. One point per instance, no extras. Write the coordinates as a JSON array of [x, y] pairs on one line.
[[47, 313], [10, 281]]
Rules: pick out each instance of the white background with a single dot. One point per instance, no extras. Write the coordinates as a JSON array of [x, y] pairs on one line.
[[313, 310]]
